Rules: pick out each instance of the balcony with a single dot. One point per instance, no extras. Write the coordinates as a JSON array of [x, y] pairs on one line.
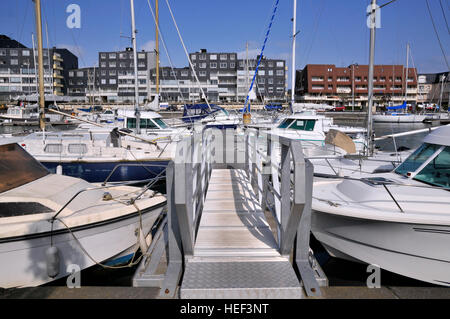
[[57, 67]]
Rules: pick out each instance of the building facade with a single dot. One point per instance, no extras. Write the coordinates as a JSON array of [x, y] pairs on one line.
[[18, 69], [340, 86], [433, 89], [222, 77]]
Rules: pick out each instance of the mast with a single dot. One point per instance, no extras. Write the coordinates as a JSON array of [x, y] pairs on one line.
[[136, 81], [294, 31], [35, 65], [370, 84], [157, 46], [37, 8], [406, 74]]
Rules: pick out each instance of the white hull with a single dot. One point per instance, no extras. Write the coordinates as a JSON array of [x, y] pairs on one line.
[[410, 118], [414, 250], [23, 260]]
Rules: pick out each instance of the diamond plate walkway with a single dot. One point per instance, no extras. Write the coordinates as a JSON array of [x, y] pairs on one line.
[[235, 253]]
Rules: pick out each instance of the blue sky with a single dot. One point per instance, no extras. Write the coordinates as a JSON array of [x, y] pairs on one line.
[[331, 31]]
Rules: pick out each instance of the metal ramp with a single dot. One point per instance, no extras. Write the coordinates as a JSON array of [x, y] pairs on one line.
[[235, 253], [238, 220]]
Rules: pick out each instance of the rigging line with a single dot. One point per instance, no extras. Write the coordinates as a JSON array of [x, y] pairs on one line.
[[165, 48], [445, 18], [187, 55], [261, 55], [23, 23], [316, 27], [437, 35]]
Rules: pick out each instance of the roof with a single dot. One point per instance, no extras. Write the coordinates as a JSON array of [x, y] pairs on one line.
[[440, 136], [7, 42], [144, 114]]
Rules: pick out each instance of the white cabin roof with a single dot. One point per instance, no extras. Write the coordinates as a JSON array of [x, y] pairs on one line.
[[144, 114], [440, 136]]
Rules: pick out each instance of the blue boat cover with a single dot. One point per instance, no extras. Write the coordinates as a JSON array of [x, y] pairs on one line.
[[397, 107], [195, 112]]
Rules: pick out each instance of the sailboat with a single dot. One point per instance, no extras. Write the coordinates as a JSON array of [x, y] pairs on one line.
[[392, 115]]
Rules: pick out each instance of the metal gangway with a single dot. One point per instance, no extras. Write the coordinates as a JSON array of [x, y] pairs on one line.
[[238, 220]]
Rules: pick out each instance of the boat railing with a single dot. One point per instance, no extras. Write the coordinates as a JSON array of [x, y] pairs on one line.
[[143, 165]]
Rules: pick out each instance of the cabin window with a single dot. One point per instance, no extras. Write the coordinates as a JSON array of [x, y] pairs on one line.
[[285, 123], [416, 159], [53, 148], [77, 148], [303, 125], [437, 172], [148, 123], [161, 123]]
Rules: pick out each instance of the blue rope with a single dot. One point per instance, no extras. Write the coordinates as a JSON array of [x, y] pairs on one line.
[[260, 57]]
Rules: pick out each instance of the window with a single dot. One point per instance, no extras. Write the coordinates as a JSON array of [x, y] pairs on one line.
[[122, 56], [202, 57], [303, 125], [112, 81], [416, 159], [122, 65], [161, 123], [213, 57], [437, 172], [280, 72], [112, 55], [232, 65], [80, 73], [112, 72], [13, 53], [71, 73], [232, 57], [14, 62], [184, 73], [270, 64], [223, 65], [202, 73], [280, 64], [103, 81], [14, 80], [270, 81], [53, 148], [193, 57], [202, 65], [213, 65], [103, 55], [103, 64], [26, 53], [77, 148], [261, 72], [103, 72], [261, 81], [141, 55], [285, 123], [112, 64], [270, 72], [2, 52], [223, 57], [317, 78]]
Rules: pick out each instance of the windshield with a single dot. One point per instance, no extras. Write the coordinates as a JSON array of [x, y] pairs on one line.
[[285, 123], [416, 159], [437, 172], [17, 167], [161, 123], [303, 125]]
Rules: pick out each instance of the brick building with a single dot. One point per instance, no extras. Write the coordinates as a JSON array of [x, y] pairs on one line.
[[326, 83]]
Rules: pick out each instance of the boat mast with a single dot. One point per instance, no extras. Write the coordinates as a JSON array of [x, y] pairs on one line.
[[37, 8], [35, 65], [294, 33], [370, 84], [406, 75], [157, 46], [136, 82]]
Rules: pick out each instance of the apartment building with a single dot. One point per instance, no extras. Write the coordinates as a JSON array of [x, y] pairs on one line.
[[18, 69], [339, 86], [433, 88]]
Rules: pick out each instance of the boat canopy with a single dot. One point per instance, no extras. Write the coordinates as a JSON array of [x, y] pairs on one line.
[[397, 107], [195, 112]]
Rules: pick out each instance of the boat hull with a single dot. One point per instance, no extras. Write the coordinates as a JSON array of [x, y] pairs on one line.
[[408, 118], [98, 172], [24, 259], [413, 250]]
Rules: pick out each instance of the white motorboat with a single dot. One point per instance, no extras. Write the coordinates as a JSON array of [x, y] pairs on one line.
[[312, 128], [399, 220], [49, 222]]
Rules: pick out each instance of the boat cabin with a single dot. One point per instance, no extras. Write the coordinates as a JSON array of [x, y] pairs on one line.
[[149, 120]]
